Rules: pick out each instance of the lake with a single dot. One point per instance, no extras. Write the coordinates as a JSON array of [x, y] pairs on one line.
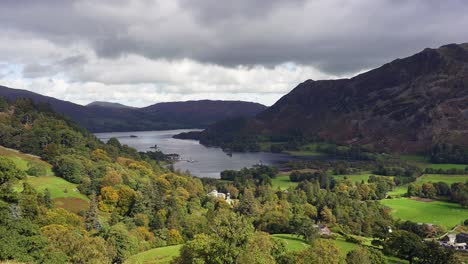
[[207, 161]]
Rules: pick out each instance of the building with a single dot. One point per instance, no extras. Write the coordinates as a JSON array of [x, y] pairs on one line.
[[222, 196], [456, 241], [323, 230]]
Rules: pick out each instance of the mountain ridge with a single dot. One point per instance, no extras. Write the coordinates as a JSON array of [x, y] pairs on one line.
[[406, 105], [106, 117]]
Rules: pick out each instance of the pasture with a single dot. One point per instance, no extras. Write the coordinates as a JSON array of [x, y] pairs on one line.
[[24, 161], [162, 255], [441, 213], [282, 181], [355, 177], [447, 178]]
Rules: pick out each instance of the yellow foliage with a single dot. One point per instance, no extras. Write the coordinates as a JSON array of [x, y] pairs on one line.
[[112, 178], [100, 154]]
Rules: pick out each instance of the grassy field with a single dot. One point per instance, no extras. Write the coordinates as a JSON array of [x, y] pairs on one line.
[[64, 194], [58, 187], [292, 242], [399, 191], [24, 161], [447, 166], [282, 182], [295, 243], [355, 177], [436, 212], [162, 255], [449, 179]]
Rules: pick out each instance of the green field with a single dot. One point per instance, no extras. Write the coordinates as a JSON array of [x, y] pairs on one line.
[[24, 161], [292, 242], [58, 187], [441, 213], [64, 194], [399, 191], [449, 179], [447, 166], [282, 182], [355, 177], [160, 255], [295, 243]]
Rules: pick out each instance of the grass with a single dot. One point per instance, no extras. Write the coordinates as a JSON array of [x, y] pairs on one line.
[[449, 179], [436, 212], [292, 242], [355, 177], [64, 194], [295, 243], [23, 161], [447, 166], [399, 191], [162, 255], [282, 182], [58, 187]]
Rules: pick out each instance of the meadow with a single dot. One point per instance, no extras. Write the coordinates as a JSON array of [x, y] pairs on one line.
[[162, 255], [355, 177], [282, 181], [64, 194], [24, 161], [441, 213]]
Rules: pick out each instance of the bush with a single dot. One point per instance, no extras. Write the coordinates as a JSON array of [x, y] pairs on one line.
[[36, 170]]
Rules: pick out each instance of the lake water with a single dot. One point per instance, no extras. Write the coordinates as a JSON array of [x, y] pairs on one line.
[[207, 162]]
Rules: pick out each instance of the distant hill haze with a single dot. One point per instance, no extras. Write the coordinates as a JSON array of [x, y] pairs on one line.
[[107, 117], [107, 104], [404, 106]]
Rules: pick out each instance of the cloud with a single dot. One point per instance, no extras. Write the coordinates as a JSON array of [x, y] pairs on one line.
[[192, 48]]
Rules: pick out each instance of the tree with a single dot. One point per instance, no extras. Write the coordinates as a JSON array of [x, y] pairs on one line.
[[248, 205], [91, 215], [433, 253], [20, 239], [47, 198], [76, 246], [322, 252], [70, 168], [227, 239], [358, 256], [404, 244], [9, 174], [124, 246], [261, 249]]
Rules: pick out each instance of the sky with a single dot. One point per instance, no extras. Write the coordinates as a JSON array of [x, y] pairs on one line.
[[141, 52]]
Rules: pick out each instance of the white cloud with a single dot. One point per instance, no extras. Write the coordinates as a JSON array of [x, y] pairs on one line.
[[140, 52]]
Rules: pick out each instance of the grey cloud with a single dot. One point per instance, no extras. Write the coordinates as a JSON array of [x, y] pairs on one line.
[[337, 36]]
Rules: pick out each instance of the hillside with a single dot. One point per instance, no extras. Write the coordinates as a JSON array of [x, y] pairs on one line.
[[107, 104], [111, 117], [407, 105]]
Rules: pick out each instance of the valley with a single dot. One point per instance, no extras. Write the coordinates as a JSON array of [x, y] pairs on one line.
[[336, 180]]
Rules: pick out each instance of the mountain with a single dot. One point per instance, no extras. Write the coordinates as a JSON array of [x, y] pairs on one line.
[[203, 113], [407, 105], [107, 117], [107, 104]]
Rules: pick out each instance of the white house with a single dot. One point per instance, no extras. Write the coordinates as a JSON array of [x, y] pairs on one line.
[[220, 195]]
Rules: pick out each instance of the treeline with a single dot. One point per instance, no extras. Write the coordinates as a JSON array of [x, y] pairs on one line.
[[447, 153], [451, 171], [457, 192]]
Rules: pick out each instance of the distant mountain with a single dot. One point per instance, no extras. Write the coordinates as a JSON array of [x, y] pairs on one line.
[[107, 104], [107, 117], [203, 113], [407, 105]]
